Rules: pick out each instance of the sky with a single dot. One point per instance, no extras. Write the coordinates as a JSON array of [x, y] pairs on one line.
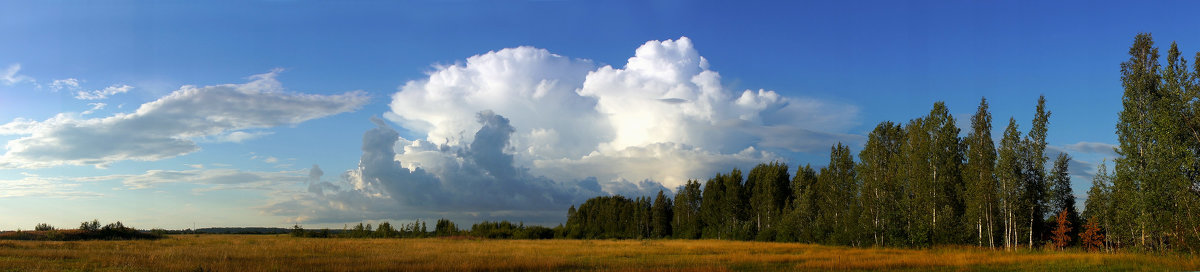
[[179, 114]]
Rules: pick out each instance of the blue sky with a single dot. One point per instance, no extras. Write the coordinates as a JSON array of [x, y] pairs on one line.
[[288, 99]]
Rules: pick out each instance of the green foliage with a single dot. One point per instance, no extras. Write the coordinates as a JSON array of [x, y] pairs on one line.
[[1034, 186], [982, 199], [770, 192], [90, 226], [686, 221], [881, 191], [662, 215], [445, 227]]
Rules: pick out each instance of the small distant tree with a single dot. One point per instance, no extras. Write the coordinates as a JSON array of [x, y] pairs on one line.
[[43, 227], [1061, 237], [445, 227], [117, 226], [297, 231], [90, 226], [1091, 237], [386, 230]]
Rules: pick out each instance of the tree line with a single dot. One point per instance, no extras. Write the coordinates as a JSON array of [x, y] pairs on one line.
[[919, 183], [443, 228]]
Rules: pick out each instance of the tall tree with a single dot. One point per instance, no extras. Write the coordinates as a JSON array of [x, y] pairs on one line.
[[878, 171], [839, 202], [737, 206], [770, 191], [805, 206], [1034, 178], [916, 177], [686, 222], [1140, 77], [712, 214], [980, 178], [662, 215], [1062, 198], [1009, 178], [1098, 207]]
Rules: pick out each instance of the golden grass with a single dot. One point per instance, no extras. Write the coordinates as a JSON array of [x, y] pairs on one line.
[[283, 253]]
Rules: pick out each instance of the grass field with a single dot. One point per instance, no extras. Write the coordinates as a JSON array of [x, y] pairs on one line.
[[284, 253]]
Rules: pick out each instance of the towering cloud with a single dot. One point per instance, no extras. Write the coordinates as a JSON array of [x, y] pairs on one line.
[[522, 133], [665, 116]]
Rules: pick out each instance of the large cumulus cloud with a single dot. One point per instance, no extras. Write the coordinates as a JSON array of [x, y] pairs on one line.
[[522, 133], [664, 116], [169, 126]]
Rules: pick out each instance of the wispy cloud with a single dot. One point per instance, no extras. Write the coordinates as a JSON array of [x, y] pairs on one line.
[[64, 84], [166, 127], [216, 179], [1093, 148], [102, 93], [37, 186], [11, 75]]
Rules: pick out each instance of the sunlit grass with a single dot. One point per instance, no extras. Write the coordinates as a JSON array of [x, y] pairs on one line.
[[283, 253]]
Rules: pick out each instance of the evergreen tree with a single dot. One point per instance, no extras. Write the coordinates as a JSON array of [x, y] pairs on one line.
[[1062, 198], [662, 216]]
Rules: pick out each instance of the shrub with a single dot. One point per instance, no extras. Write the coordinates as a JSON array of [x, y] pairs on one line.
[[43, 227], [90, 226]]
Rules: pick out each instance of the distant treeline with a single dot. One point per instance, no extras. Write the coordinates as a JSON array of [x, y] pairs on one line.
[[920, 184], [443, 228], [88, 230], [228, 230]]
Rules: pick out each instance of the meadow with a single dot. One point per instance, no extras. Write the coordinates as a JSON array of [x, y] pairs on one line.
[[284, 253]]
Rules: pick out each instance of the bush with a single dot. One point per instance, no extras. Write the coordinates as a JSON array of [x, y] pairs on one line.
[[90, 226], [43, 227]]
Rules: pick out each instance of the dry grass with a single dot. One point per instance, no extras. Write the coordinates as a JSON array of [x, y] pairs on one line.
[[282, 253]]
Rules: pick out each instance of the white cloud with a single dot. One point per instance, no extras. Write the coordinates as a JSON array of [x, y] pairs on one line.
[[67, 84], [11, 75], [240, 136], [37, 186], [1093, 148], [103, 93], [168, 126], [95, 107], [665, 109], [524, 133], [215, 179]]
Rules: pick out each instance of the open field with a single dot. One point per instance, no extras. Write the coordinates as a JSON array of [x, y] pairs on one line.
[[283, 253]]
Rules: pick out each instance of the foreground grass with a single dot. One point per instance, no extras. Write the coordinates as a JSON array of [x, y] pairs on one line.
[[282, 253]]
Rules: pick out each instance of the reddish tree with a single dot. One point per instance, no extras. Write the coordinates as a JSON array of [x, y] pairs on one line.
[[1061, 239], [1091, 237]]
